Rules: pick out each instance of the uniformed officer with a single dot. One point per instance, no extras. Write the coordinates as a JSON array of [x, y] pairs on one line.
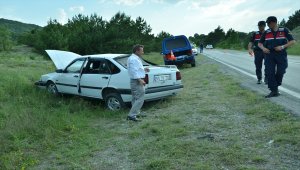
[[258, 53], [274, 42]]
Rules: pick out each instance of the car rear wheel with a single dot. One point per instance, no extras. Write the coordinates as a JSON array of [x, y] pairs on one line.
[[51, 88], [114, 101]]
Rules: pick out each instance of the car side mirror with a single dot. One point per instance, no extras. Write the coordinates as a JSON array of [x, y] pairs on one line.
[[59, 71]]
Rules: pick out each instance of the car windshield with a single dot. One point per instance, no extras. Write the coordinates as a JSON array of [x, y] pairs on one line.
[[123, 61], [75, 66]]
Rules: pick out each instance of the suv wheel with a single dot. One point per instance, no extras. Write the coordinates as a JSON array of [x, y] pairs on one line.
[[114, 102]]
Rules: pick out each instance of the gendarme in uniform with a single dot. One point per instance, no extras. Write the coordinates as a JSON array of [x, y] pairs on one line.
[[274, 42], [259, 55]]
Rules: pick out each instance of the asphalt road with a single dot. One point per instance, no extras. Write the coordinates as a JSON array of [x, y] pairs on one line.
[[243, 65]]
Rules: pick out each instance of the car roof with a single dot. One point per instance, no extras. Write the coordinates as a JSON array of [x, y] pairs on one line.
[[106, 55]]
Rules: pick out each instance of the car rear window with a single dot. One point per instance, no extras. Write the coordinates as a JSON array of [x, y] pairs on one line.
[[176, 43], [123, 61]]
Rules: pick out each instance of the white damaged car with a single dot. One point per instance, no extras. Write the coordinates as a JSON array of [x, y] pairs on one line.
[[105, 76]]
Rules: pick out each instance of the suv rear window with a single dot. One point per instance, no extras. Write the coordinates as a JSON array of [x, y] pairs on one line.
[[175, 43]]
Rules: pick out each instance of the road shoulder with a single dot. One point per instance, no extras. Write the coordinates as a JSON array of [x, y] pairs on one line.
[[290, 103]]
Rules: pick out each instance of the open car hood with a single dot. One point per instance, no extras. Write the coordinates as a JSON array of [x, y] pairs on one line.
[[62, 58]]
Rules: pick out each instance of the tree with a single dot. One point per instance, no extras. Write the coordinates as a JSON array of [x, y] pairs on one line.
[[232, 36], [231, 40], [91, 34], [142, 27], [143, 34], [198, 39], [294, 20], [5, 39], [215, 37], [158, 40], [282, 23], [85, 34], [118, 35], [122, 33], [163, 35], [51, 36], [29, 38]]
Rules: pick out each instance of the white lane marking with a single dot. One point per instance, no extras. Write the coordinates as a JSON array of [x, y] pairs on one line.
[[290, 92]]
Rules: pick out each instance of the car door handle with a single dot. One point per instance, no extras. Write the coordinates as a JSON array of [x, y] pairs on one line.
[[75, 76], [105, 77]]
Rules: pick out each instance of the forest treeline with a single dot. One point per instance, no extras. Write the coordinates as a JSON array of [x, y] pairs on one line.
[[92, 34]]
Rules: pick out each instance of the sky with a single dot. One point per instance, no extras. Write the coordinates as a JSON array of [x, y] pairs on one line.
[[177, 17]]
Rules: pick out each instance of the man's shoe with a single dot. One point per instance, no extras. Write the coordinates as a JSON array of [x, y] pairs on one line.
[[133, 118], [258, 81], [273, 94]]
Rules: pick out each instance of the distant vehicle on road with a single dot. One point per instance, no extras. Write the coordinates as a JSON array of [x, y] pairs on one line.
[[209, 46], [177, 50], [194, 50]]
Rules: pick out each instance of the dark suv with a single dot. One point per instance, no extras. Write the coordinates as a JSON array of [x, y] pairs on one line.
[[177, 50]]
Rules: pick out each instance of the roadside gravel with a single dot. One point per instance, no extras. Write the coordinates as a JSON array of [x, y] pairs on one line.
[[290, 103]]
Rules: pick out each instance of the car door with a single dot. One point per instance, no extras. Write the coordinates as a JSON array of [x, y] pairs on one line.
[[67, 82], [94, 78]]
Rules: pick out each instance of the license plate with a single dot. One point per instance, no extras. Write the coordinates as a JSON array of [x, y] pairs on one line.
[[162, 77]]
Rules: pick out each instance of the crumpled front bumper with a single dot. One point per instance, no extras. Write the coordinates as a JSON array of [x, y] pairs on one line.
[[40, 83]]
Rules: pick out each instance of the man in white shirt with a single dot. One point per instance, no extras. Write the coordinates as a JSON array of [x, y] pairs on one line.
[[136, 73]]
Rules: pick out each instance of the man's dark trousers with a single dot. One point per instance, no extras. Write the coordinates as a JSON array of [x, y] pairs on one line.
[[276, 64], [259, 57]]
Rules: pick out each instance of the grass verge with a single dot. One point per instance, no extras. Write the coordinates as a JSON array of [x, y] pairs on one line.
[[295, 49], [212, 124]]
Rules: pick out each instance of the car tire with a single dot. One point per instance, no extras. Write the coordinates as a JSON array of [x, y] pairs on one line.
[[51, 88], [193, 64], [114, 102]]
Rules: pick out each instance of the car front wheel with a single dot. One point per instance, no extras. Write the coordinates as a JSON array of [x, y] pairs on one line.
[[51, 88], [114, 102]]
